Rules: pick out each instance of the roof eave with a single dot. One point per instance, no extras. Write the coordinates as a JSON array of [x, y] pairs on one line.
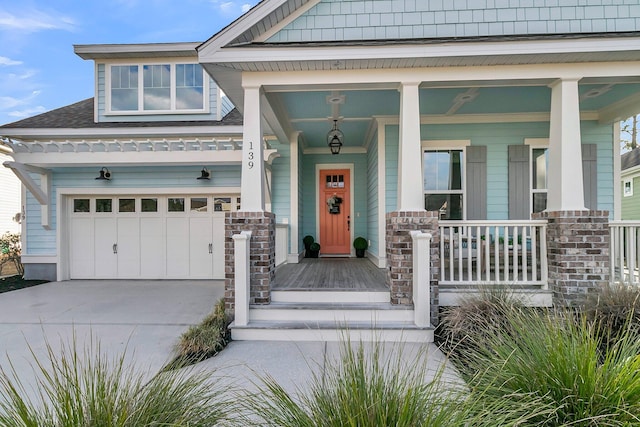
[[143, 50]]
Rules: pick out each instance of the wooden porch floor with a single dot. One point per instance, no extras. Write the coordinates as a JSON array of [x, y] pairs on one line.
[[331, 274]]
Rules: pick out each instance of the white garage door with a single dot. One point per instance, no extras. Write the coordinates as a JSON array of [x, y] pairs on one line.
[[148, 237]]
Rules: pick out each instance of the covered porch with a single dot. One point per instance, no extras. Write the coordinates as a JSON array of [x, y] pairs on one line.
[[459, 177]]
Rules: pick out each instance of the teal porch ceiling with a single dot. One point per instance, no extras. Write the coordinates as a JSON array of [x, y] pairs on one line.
[[310, 113]]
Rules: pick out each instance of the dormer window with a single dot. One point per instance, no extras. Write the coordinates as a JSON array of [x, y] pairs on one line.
[[157, 88]]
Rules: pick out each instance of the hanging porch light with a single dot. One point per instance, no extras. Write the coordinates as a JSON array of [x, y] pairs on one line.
[[335, 138]]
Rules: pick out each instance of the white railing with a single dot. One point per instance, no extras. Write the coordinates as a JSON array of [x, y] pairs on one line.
[[625, 252], [493, 253]]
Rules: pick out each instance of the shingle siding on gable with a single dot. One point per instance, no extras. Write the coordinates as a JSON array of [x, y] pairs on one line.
[[333, 20]]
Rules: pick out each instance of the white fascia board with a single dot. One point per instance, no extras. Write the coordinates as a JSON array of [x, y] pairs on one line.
[[107, 51], [635, 170], [445, 74], [161, 132], [442, 50], [239, 26]]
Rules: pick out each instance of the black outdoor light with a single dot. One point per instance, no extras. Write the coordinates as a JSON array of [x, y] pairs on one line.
[[204, 174], [105, 175], [335, 138]]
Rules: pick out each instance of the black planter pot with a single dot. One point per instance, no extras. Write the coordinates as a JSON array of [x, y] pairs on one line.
[[312, 254], [360, 253]]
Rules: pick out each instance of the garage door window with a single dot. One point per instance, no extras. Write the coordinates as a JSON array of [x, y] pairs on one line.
[[175, 204], [149, 205], [198, 204], [103, 205], [127, 205], [81, 205]]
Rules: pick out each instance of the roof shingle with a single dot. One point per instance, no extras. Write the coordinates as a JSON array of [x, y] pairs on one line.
[[80, 116]]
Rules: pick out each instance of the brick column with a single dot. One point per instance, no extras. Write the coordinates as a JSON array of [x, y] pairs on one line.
[[262, 254], [400, 257], [578, 254]]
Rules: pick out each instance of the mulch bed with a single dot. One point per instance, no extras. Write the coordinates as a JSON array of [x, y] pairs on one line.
[[13, 283]]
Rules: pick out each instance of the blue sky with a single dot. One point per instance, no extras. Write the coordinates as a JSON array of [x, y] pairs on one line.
[[40, 72]]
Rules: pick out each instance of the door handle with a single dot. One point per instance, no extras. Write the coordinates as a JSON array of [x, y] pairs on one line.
[[348, 222], [115, 248], [210, 248]]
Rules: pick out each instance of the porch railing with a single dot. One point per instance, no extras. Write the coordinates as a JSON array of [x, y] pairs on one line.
[[493, 253], [625, 252]]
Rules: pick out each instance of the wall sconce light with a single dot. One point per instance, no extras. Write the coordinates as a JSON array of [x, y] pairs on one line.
[[204, 174], [335, 138], [105, 175]]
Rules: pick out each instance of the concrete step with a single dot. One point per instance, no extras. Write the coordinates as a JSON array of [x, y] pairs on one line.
[[331, 312], [331, 331], [315, 296]]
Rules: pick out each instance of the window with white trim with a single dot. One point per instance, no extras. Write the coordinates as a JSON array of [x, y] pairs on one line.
[[627, 189], [539, 167], [443, 182], [157, 88]]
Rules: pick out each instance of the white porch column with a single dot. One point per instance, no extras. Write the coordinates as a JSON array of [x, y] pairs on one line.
[[252, 180], [565, 189], [410, 193]]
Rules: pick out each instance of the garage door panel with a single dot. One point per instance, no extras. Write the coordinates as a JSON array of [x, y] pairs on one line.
[[200, 251], [218, 245], [81, 238], [152, 248], [106, 260], [177, 232], [128, 248], [152, 241]]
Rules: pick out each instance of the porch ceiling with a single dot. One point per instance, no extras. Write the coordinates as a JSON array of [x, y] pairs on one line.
[[310, 112]]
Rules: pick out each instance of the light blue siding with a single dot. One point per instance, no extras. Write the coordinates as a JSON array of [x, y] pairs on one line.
[[101, 94], [308, 181], [372, 197], [225, 106], [41, 241], [602, 136], [391, 167], [339, 20], [281, 183]]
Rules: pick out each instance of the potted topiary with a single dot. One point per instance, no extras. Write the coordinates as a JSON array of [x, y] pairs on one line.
[[314, 250], [307, 240], [361, 245]]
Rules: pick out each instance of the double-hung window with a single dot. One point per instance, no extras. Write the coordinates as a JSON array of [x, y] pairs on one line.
[[157, 88], [443, 182], [539, 166]]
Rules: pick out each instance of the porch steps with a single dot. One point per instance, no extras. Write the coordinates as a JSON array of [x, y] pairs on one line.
[[311, 296], [331, 316]]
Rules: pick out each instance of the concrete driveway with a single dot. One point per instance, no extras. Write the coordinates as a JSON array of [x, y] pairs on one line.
[[142, 316]]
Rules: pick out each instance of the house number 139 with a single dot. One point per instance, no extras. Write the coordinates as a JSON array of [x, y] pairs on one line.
[[250, 162]]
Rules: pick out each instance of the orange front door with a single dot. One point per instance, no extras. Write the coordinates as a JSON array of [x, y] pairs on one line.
[[335, 212]]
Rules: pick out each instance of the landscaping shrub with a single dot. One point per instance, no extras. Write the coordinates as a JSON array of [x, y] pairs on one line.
[[365, 388], [552, 360], [204, 340], [614, 310], [10, 251], [87, 388], [463, 325]]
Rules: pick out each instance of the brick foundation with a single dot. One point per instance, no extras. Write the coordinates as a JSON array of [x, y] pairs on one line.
[[400, 255], [578, 254], [262, 254]]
